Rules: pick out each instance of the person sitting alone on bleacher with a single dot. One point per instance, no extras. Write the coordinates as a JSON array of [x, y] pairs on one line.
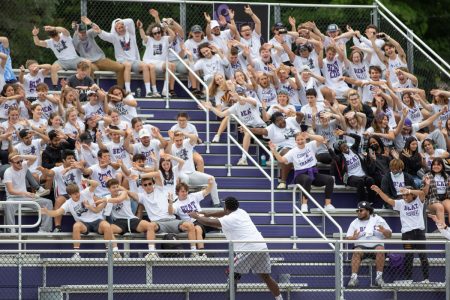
[[88, 216], [410, 208], [303, 156], [157, 206], [352, 167], [186, 203], [60, 42], [16, 190], [124, 221], [366, 227]]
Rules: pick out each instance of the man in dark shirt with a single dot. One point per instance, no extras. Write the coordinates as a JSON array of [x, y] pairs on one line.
[[52, 155], [81, 81]]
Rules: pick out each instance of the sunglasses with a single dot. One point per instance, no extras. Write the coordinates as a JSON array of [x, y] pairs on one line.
[[147, 184], [156, 32]]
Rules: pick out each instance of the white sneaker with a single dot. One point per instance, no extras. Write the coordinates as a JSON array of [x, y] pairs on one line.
[[43, 231], [304, 208], [425, 281], [281, 186], [353, 282], [216, 139], [41, 192], [195, 255], [329, 207], [242, 162], [116, 255], [76, 256], [379, 281], [152, 256], [155, 95]]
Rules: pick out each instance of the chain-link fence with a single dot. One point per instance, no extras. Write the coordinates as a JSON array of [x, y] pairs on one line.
[[51, 270]]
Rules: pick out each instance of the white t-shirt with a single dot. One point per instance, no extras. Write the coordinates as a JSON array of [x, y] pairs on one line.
[[47, 108], [307, 111], [239, 226], [185, 152], [96, 109], [211, 66], [282, 54], [4, 107], [360, 225], [411, 214], [368, 90], [102, 175], [121, 210], [414, 114], [126, 112], [63, 180], [399, 182], [277, 107], [17, 178], [118, 151], [89, 156], [353, 162], [79, 211], [34, 148], [170, 184], [156, 204], [249, 114], [394, 64], [30, 83], [190, 204], [156, 50], [312, 61], [254, 43], [293, 93], [442, 117], [437, 153], [63, 49], [153, 147], [387, 142], [441, 184], [15, 134], [312, 83], [303, 158], [282, 137], [359, 71], [70, 129], [192, 46], [190, 129], [125, 46], [268, 94]]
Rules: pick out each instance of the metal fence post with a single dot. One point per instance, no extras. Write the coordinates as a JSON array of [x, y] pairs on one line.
[[276, 13], [447, 270], [338, 270], [410, 51], [110, 272], [83, 7], [183, 14], [375, 20], [231, 270]]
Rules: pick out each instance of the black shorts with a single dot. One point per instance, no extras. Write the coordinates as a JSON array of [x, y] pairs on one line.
[[368, 255], [127, 225], [92, 226], [205, 228]]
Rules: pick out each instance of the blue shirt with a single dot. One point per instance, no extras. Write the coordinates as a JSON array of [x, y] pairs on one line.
[[9, 74]]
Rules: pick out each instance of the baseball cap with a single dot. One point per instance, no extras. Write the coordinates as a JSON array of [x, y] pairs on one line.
[[407, 123], [82, 27], [332, 28], [85, 137], [305, 68], [214, 24], [283, 92], [143, 133], [278, 25], [23, 133], [304, 47], [196, 28], [366, 205]]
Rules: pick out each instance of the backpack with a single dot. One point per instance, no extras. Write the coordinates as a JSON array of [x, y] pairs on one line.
[[171, 246]]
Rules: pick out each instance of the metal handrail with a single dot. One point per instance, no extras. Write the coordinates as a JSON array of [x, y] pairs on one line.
[[416, 45], [295, 209], [188, 91], [271, 159], [392, 16]]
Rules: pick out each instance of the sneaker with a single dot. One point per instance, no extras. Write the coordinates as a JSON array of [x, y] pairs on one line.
[[304, 208], [379, 281], [353, 282], [57, 229], [242, 162], [195, 255], [76, 256], [281, 185], [41, 192], [172, 94], [42, 231], [329, 207], [155, 95], [425, 281], [216, 139], [116, 255], [152, 256]]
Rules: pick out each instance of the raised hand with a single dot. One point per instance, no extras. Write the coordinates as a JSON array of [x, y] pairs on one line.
[[35, 31], [292, 21], [207, 17], [86, 20], [154, 13], [248, 10], [139, 24]]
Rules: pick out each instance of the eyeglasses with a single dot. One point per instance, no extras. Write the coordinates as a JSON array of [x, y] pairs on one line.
[[156, 32], [18, 162], [147, 184], [360, 210]]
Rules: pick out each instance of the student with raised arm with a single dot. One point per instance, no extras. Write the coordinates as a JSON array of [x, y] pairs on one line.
[[249, 37], [87, 214], [35, 76], [220, 37], [157, 45], [410, 208], [303, 156], [8, 73], [361, 41], [60, 42], [126, 51], [394, 56]]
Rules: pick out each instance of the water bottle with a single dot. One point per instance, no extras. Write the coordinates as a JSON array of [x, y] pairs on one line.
[[263, 160], [137, 94]]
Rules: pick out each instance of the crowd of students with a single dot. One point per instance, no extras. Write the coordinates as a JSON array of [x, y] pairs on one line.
[[341, 98]]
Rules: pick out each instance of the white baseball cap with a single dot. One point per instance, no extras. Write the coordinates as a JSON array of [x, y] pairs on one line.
[[213, 24], [143, 133]]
